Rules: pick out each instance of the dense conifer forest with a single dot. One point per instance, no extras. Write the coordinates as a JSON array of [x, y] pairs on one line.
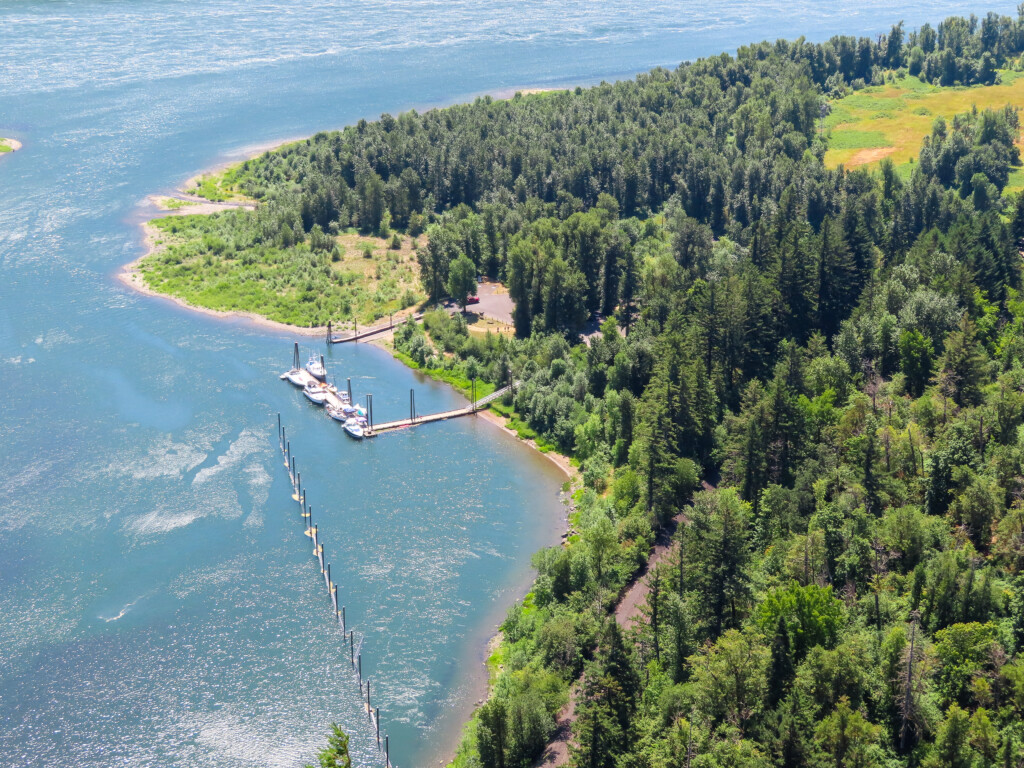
[[814, 377]]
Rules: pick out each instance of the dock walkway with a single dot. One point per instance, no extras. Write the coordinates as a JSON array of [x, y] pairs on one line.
[[366, 333], [375, 429]]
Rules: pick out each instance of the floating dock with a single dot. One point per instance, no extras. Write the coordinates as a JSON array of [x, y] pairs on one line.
[[372, 430], [444, 415], [366, 333]]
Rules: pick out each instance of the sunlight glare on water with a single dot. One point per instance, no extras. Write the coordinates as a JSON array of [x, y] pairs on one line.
[[159, 605]]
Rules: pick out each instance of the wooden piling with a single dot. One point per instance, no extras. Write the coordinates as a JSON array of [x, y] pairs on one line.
[[359, 666], [349, 384], [330, 336], [387, 752], [376, 720]]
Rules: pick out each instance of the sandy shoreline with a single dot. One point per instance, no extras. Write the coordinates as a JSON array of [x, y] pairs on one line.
[[559, 460]]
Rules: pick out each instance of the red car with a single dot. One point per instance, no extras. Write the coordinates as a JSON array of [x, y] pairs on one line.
[[473, 300]]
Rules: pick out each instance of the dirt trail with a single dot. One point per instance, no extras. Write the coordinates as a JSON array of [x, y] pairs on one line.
[[557, 751], [627, 611], [865, 156]]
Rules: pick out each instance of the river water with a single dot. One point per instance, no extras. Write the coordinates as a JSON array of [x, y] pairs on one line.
[[158, 602]]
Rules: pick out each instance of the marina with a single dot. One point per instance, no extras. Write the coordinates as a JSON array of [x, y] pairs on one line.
[[357, 420]]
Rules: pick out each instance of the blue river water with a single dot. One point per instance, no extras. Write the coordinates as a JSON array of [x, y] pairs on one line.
[[159, 605]]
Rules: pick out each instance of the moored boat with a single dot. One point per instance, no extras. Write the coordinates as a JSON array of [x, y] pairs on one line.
[[337, 414], [295, 376], [315, 393], [354, 428], [316, 368]]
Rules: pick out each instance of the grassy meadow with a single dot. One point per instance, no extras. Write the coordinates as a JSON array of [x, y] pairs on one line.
[[891, 120], [195, 259]]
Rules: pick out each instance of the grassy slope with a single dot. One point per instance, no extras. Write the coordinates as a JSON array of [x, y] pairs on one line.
[[281, 286], [892, 120]]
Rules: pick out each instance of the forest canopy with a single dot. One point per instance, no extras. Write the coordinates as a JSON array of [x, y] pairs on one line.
[[813, 376]]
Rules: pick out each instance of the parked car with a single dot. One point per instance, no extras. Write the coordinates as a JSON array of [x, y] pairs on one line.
[[473, 300]]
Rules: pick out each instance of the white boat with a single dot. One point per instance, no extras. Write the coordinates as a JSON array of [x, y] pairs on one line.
[[295, 376], [316, 368], [343, 394], [354, 428], [315, 393], [337, 414]]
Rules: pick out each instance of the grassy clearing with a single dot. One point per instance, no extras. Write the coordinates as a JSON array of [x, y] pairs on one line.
[[174, 204], [219, 187], [892, 120], [201, 259], [478, 324]]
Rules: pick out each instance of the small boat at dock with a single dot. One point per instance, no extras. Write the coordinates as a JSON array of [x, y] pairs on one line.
[[295, 376], [337, 414], [315, 393], [316, 368], [354, 428]]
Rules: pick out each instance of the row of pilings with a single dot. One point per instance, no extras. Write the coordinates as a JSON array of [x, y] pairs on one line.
[[348, 635]]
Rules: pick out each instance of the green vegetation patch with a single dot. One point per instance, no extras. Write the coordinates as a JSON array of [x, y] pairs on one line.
[[899, 115], [218, 262], [858, 140]]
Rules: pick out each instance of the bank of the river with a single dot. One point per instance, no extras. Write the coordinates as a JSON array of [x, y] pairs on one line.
[[457, 747], [133, 274]]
